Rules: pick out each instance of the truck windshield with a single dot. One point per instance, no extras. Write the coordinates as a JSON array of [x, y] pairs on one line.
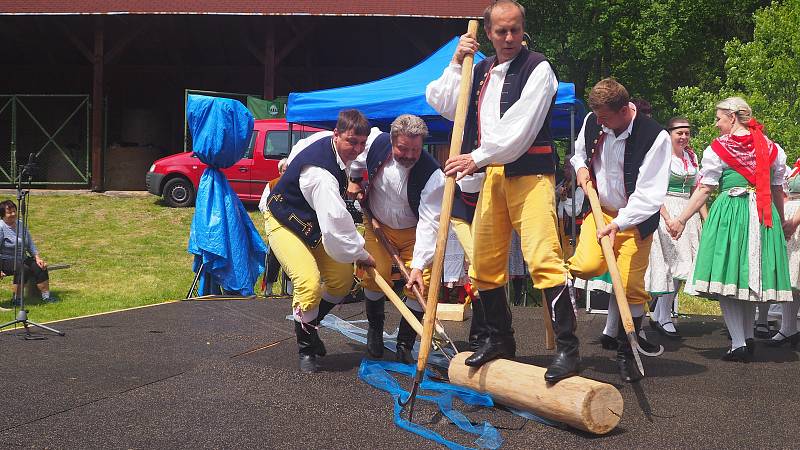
[[277, 143]]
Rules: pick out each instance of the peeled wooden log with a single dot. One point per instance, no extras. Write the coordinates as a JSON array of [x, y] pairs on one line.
[[582, 403]]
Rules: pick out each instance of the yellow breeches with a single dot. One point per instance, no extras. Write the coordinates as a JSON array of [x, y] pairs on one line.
[[404, 240], [311, 270], [527, 205], [632, 253]]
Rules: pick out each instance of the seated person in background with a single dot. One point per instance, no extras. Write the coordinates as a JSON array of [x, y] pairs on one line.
[[11, 239]]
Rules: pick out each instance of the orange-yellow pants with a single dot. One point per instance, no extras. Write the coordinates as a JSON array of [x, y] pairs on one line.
[[312, 271], [526, 204], [632, 253], [403, 240]]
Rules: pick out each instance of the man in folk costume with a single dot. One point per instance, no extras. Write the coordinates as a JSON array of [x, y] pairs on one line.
[[311, 231], [626, 155], [404, 194], [508, 133], [745, 220], [273, 266]]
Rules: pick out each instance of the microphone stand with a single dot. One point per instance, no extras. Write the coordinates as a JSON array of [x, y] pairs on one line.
[[19, 256]]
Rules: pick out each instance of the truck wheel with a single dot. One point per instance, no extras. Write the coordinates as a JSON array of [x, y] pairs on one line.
[[179, 193]]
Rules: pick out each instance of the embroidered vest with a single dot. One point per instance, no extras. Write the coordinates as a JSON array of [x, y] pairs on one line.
[[379, 153], [286, 201], [637, 145], [518, 73]]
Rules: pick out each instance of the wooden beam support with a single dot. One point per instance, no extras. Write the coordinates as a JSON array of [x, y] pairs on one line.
[[79, 44], [125, 41], [97, 105], [270, 62], [299, 36]]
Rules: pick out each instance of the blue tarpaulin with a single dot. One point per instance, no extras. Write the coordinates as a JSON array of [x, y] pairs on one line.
[[222, 238], [404, 93]]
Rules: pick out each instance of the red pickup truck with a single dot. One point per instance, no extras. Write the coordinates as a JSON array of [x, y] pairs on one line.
[[176, 177]]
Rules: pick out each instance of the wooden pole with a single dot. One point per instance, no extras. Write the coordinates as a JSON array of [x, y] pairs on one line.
[[395, 299], [97, 105], [582, 403], [616, 278], [447, 208], [376, 229]]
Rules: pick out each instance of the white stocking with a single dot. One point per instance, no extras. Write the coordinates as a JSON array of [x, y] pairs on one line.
[[788, 319], [612, 319], [664, 307], [732, 314], [749, 313]]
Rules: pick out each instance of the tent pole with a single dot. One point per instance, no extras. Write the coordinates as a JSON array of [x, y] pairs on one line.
[[574, 175]]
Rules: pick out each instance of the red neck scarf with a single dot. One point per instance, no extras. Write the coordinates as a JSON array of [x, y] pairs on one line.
[[796, 169], [751, 156]]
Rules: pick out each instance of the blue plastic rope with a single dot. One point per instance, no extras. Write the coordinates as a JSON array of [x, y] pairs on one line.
[[376, 374]]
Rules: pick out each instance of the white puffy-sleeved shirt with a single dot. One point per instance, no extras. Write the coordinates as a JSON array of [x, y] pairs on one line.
[[388, 202], [503, 140], [651, 184], [712, 167], [321, 190]]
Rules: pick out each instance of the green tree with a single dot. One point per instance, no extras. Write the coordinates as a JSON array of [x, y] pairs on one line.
[[651, 47], [765, 71]]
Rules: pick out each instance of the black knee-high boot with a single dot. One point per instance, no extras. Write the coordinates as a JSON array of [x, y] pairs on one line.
[[375, 317], [519, 285], [567, 360], [307, 339], [478, 333], [406, 336], [499, 342], [324, 308], [626, 362]]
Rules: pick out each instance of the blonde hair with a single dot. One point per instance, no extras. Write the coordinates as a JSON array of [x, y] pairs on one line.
[[738, 106]]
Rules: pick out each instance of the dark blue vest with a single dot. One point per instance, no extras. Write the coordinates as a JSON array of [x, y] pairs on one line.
[[643, 134], [379, 153], [518, 73], [286, 202]]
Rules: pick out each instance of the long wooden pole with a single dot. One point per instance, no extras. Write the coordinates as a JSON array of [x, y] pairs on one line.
[[387, 290], [376, 229], [444, 218], [616, 278]]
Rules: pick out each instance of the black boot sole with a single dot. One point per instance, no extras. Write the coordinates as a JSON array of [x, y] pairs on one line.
[[483, 355]]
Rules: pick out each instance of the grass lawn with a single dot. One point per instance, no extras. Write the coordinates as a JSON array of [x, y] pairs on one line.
[[127, 252], [124, 252]]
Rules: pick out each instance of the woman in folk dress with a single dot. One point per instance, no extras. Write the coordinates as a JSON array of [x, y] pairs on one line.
[[671, 260], [788, 333], [742, 257]]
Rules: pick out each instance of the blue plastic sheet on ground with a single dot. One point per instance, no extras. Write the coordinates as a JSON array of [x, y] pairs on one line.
[[222, 237], [376, 374]]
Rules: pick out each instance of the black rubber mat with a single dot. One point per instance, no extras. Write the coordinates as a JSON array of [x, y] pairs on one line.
[[222, 374]]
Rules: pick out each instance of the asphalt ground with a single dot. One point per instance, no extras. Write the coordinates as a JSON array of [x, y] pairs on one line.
[[222, 374]]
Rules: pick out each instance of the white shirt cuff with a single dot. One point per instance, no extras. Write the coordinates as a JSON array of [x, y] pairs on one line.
[[481, 157], [417, 263]]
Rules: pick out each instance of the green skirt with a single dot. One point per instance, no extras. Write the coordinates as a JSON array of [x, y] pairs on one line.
[[733, 262]]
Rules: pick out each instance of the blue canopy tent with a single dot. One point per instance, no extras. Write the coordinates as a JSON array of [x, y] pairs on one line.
[[404, 93]]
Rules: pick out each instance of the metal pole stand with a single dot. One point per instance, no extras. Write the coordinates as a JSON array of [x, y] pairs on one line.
[[19, 256]]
